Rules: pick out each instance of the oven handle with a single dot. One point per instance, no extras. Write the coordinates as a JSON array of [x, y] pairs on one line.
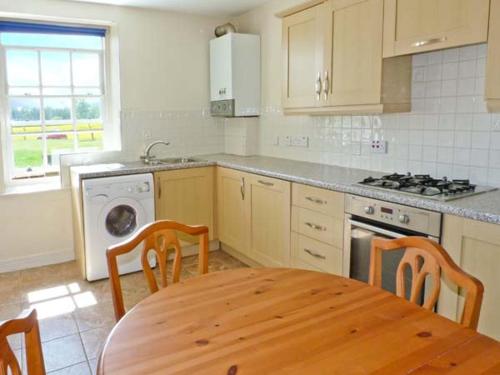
[[375, 229]]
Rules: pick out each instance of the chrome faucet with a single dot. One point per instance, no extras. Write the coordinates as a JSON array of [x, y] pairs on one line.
[[147, 157]]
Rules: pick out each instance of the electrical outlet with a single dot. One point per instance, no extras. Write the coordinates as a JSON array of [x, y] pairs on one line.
[[300, 141], [496, 124], [286, 140], [379, 147]]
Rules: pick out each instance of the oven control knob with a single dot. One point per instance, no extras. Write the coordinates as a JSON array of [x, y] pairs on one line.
[[369, 210], [404, 219]]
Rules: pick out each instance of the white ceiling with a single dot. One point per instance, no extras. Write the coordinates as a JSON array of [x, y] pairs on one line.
[[220, 8]]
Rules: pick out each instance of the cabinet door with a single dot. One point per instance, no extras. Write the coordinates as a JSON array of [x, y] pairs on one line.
[[270, 221], [354, 52], [475, 246], [233, 209], [493, 60], [413, 26], [186, 196], [302, 58]]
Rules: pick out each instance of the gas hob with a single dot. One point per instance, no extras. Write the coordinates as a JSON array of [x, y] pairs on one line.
[[425, 186]]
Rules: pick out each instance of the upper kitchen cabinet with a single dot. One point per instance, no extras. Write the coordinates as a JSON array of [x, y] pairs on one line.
[[413, 26], [493, 61], [332, 56], [303, 51]]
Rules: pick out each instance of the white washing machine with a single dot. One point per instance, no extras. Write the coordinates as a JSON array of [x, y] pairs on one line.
[[114, 209]]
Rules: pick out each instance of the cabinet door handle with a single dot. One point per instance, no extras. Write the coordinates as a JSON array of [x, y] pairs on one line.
[[314, 254], [318, 86], [242, 188], [326, 89], [315, 226], [159, 188], [265, 183], [427, 42], [316, 200]]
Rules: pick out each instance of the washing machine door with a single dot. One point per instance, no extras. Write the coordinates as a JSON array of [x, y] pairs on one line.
[[121, 218]]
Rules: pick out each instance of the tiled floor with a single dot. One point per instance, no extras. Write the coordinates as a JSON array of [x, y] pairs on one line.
[[76, 316]]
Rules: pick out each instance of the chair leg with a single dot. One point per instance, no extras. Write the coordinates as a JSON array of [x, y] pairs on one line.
[[203, 255]]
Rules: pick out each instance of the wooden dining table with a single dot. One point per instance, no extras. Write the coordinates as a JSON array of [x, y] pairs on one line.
[[288, 321]]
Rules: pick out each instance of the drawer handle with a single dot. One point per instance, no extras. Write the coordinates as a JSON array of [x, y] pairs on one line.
[[315, 226], [316, 200], [426, 42], [318, 86], [242, 188], [314, 254], [265, 183]]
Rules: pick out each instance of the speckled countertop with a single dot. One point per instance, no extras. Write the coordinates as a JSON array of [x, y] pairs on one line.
[[483, 207]]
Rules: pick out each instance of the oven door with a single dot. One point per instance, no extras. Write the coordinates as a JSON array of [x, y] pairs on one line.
[[358, 237]]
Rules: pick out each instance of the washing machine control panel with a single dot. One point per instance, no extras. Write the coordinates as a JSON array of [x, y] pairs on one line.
[[135, 188], [139, 188]]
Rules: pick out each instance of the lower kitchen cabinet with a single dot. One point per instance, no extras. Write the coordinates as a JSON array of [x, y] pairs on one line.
[[317, 229], [233, 210], [270, 221], [186, 196], [314, 255], [254, 216], [475, 247]]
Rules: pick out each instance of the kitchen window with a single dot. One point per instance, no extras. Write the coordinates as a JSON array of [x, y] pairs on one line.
[[54, 98]]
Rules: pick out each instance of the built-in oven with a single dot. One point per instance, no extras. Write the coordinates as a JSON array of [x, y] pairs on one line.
[[366, 218]]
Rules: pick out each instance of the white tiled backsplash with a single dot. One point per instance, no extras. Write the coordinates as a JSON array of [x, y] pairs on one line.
[[192, 132], [448, 133]]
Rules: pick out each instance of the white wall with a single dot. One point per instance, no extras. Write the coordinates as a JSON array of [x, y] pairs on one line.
[[448, 133], [35, 229], [164, 78]]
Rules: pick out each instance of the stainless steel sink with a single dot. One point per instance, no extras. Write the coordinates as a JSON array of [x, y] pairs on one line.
[[172, 161], [177, 160]]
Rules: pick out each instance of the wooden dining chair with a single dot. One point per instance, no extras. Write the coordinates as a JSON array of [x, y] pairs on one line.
[[26, 323], [159, 238], [427, 258]]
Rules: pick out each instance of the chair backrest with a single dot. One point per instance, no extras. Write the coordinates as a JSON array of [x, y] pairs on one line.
[[158, 238], [426, 258], [26, 323]]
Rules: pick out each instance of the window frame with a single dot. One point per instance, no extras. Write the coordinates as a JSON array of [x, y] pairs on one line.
[[6, 136]]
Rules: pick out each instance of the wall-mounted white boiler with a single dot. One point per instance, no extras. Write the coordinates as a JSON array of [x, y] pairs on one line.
[[235, 75]]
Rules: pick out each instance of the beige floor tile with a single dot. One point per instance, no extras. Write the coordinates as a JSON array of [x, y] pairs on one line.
[[50, 276], [78, 369], [93, 341], [133, 297], [10, 284], [57, 327], [93, 366], [8, 312], [100, 289], [96, 316], [63, 352], [20, 359]]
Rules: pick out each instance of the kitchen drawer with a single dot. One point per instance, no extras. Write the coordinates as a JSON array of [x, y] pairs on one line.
[[321, 200], [317, 254], [318, 226], [299, 264]]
